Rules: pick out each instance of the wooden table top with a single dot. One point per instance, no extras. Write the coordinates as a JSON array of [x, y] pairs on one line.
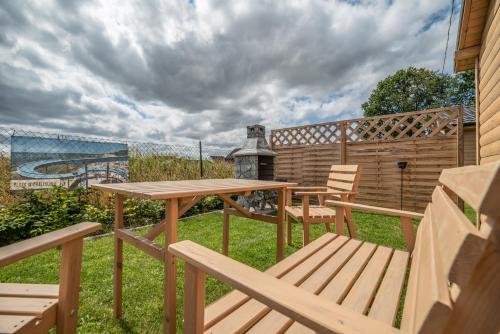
[[176, 189]]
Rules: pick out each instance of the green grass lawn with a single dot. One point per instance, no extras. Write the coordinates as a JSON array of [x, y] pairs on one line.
[[251, 242]]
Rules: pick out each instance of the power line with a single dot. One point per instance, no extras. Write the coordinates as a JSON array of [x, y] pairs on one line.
[[448, 37]]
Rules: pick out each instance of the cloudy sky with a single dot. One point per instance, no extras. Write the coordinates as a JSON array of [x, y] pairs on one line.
[[178, 71]]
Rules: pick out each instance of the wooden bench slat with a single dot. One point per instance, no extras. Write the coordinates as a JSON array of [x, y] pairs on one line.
[[26, 306], [478, 186], [245, 316], [362, 292], [221, 307], [10, 324], [339, 185], [385, 304], [275, 322], [430, 306], [29, 290], [314, 211], [464, 245], [342, 176], [338, 287], [345, 168]]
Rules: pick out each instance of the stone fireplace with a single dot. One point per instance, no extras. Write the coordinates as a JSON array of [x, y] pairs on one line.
[[255, 161]]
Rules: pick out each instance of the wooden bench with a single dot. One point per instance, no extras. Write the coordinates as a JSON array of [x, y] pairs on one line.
[[36, 308], [342, 184], [342, 285]]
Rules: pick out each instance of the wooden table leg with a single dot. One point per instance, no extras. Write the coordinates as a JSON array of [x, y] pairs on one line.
[[225, 231], [280, 239], [118, 263], [169, 283]]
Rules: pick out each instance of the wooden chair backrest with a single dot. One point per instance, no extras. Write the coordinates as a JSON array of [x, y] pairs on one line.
[[454, 281], [344, 178]]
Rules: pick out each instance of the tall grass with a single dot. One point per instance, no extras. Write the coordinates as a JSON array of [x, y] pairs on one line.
[[161, 168], [6, 197]]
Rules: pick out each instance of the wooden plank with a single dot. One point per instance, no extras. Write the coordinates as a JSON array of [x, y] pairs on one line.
[[361, 207], [170, 268], [280, 229], [339, 286], [28, 324], [274, 322], [408, 233], [362, 292], [177, 189], [26, 306], [312, 311], [220, 308], [461, 245], [246, 315], [29, 290], [225, 229], [142, 243], [385, 304], [430, 306], [26, 248], [10, 324], [69, 286], [194, 300], [477, 186]]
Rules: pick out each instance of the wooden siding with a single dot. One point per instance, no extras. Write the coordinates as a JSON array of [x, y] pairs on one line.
[[469, 145], [489, 87], [376, 144]]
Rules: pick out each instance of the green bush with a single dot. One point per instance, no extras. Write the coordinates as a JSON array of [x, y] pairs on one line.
[[44, 211], [41, 212]]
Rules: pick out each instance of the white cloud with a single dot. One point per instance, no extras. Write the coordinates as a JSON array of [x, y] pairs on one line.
[[180, 71]]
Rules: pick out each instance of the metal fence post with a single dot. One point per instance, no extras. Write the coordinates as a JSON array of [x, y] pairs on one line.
[[201, 161]]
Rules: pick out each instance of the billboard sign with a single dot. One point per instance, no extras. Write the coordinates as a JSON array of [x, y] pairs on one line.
[[38, 163]]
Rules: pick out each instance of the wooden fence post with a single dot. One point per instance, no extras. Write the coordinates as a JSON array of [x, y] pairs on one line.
[[460, 147], [343, 148]]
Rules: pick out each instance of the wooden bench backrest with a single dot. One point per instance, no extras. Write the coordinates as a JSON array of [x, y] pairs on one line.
[[454, 281], [343, 178]]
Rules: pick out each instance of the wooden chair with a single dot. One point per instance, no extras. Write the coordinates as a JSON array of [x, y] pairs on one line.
[[342, 184], [36, 308], [341, 285]]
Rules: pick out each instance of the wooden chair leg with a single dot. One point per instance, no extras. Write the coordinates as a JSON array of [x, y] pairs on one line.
[[225, 231], [289, 229], [327, 227], [339, 221], [305, 225], [69, 287], [350, 223], [194, 300]]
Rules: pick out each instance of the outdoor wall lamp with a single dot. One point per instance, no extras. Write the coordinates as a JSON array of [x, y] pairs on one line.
[[401, 165]]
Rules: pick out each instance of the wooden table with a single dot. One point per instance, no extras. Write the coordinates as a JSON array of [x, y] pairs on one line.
[[179, 197]]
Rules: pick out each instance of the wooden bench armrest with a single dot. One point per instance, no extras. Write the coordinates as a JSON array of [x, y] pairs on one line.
[[377, 209], [310, 310], [22, 249]]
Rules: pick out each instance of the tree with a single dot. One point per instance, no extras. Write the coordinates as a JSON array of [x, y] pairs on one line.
[[415, 89]]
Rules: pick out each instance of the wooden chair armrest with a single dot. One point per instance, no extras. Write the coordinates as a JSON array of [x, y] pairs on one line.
[[22, 249], [377, 209], [310, 310], [326, 193], [305, 188]]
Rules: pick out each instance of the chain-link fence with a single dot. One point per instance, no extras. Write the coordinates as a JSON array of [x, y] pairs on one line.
[[135, 148], [36, 160]]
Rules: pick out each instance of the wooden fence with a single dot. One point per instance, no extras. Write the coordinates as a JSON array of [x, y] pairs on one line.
[[428, 140]]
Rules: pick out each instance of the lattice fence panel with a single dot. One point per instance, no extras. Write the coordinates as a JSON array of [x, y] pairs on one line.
[[425, 124], [316, 134]]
